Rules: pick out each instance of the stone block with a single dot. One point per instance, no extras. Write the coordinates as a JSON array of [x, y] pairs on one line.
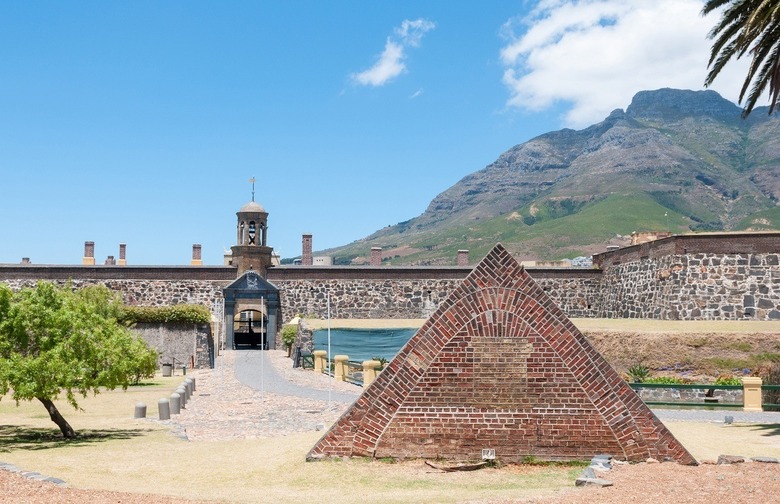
[[730, 459]]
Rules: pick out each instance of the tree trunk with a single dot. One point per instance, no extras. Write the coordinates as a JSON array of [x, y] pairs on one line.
[[54, 414]]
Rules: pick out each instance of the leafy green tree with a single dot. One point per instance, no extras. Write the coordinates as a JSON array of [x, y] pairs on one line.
[[57, 341], [753, 27]]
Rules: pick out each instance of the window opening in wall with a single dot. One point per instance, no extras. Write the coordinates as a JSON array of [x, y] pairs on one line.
[[252, 230]]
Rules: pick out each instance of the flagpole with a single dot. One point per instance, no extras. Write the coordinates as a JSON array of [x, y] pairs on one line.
[[330, 357], [262, 350]]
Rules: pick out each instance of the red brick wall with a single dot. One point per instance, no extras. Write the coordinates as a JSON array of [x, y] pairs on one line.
[[499, 366]]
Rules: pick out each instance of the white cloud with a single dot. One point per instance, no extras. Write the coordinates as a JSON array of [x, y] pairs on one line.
[[390, 63], [411, 32], [594, 55]]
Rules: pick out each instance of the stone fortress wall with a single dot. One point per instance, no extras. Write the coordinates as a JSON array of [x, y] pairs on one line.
[[387, 293], [733, 276], [726, 276]]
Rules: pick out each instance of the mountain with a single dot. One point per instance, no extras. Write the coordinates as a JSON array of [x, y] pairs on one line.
[[674, 160]]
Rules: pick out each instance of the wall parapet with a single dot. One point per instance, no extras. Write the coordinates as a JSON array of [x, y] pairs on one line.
[[764, 242], [102, 272]]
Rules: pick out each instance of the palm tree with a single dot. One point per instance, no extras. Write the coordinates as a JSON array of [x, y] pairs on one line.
[[748, 26]]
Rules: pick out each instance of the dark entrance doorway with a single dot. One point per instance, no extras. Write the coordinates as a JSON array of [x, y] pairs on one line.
[[250, 327]]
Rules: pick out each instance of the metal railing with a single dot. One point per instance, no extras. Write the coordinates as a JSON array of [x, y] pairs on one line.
[[354, 373], [770, 397], [707, 399]]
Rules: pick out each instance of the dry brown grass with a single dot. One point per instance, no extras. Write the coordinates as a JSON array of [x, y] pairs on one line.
[[123, 454]]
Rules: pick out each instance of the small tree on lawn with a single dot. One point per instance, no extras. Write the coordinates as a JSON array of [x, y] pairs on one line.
[[58, 341]]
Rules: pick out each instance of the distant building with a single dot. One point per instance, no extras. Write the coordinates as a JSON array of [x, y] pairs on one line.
[[322, 261], [565, 263], [582, 262], [648, 236]]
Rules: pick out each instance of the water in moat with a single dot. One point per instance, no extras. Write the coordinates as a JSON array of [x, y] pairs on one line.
[[363, 344]]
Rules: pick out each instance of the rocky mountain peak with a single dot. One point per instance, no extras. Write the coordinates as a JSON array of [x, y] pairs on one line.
[[673, 104], [675, 160]]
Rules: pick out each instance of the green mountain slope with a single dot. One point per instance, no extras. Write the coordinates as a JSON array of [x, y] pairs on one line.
[[673, 160]]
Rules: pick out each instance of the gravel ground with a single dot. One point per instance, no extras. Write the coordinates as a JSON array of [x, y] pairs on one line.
[[225, 408], [746, 483]]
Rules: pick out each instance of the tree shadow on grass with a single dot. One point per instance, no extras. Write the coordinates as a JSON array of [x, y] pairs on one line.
[[770, 429], [22, 437]]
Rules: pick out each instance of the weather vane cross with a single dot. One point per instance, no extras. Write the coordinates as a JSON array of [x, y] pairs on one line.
[[252, 181]]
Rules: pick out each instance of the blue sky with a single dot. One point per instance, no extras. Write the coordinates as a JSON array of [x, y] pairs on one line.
[[141, 122]]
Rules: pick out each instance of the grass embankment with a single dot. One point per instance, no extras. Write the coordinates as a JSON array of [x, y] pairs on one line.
[[697, 349]]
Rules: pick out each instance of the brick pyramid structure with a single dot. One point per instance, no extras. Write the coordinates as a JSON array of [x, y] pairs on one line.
[[499, 366]]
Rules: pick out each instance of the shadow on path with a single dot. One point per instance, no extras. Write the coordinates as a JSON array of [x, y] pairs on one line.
[[770, 429], [254, 369]]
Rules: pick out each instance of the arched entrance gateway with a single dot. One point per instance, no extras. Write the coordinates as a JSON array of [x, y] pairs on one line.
[[251, 312]]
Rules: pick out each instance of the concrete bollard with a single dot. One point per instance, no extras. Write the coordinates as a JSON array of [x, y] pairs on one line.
[[319, 360], [164, 409], [340, 369], [193, 383], [190, 385], [369, 371], [140, 410], [187, 389], [175, 404], [182, 397]]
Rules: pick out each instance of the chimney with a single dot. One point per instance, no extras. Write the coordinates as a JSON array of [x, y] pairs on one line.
[[89, 254], [122, 252], [306, 257], [110, 261], [196, 261], [463, 257], [26, 260], [376, 256]]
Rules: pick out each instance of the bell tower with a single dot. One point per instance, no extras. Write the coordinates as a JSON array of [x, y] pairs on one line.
[[251, 251]]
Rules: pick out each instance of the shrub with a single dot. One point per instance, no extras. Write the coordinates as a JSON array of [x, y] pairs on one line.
[[668, 380], [175, 314], [638, 373], [289, 333], [382, 362], [728, 379]]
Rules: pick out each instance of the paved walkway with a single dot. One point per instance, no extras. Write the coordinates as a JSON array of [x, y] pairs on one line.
[[718, 416], [255, 369], [254, 394]]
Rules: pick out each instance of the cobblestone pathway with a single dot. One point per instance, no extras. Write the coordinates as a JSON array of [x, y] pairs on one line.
[[224, 408]]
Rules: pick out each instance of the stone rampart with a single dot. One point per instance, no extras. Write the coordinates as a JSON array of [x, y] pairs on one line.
[[392, 293], [709, 276], [154, 289], [704, 286]]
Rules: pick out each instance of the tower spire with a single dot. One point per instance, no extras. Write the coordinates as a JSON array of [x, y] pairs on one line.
[[252, 180]]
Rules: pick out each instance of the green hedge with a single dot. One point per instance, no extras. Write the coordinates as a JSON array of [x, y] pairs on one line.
[[176, 314]]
